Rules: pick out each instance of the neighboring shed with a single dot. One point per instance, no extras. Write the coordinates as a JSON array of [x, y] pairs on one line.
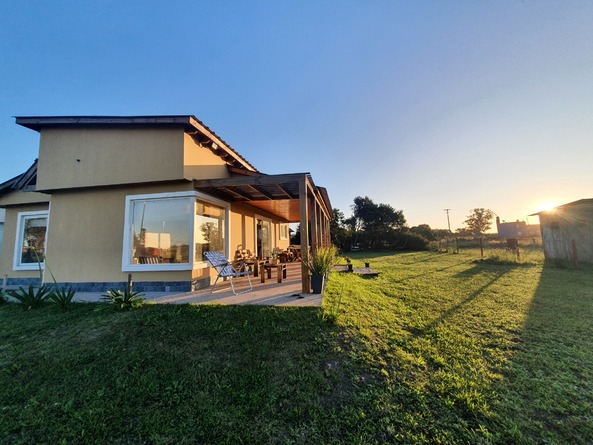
[[517, 229], [567, 231]]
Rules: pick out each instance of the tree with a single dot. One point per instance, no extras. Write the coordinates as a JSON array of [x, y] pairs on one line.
[[479, 220], [377, 216], [375, 224], [425, 231], [340, 234]]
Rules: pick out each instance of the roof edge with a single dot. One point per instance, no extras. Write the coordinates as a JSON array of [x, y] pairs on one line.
[[189, 122]]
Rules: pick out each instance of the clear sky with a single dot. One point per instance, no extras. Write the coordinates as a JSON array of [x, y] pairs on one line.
[[423, 105]]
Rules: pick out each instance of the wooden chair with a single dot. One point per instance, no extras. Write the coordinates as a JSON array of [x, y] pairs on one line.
[[226, 270]]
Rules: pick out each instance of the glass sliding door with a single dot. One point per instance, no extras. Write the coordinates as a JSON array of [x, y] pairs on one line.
[[263, 238]]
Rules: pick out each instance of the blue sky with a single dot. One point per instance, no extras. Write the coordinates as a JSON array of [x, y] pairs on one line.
[[424, 105]]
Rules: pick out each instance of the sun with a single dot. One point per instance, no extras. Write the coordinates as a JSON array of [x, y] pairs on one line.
[[547, 206]]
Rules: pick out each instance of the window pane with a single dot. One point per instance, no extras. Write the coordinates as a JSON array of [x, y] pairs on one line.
[[160, 230], [33, 242], [209, 229]]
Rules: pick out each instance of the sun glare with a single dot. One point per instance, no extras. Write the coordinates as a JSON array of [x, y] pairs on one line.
[[547, 206]]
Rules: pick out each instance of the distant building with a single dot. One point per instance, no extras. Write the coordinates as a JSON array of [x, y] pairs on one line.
[[517, 229], [568, 230]]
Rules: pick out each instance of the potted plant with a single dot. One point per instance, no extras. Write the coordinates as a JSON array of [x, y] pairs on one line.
[[319, 265], [349, 263]]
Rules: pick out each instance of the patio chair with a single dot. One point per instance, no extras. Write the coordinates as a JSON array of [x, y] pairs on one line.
[[226, 270]]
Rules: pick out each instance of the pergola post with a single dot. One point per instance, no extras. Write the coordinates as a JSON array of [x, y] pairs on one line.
[[314, 227], [304, 207]]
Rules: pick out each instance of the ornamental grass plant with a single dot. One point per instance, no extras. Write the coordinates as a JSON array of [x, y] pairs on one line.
[[321, 261]]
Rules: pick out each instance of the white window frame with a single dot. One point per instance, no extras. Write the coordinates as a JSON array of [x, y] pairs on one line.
[[192, 196], [20, 233]]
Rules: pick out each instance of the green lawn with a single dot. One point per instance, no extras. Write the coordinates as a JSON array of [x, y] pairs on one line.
[[441, 348]]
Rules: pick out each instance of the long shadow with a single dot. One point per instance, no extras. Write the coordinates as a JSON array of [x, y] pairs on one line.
[[430, 272], [547, 391], [472, 296]]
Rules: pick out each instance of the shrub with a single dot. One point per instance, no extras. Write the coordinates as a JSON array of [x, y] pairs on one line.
[[33, 297], [410, 241], [124, 300]]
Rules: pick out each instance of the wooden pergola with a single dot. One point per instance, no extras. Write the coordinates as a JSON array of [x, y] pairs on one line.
[[292, 197]]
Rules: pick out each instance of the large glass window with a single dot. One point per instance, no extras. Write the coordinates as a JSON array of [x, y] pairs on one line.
[[30, 240], [162, 228], [161, 231], [210, 228]]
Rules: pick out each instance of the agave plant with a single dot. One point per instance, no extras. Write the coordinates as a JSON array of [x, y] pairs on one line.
[[124, 300], [33, 297], [62, 296]]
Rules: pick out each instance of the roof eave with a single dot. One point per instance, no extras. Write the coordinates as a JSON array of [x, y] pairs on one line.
[[189, 123]]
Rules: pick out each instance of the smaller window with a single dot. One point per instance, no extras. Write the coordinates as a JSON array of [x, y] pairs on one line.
[[283, 231], [30, 240]]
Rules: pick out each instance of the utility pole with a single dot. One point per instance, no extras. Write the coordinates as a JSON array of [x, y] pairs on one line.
[[448, 222]]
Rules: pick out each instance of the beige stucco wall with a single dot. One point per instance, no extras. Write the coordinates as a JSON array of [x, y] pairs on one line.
[[85, 157], [23, 198], [7, 254], [200, 162], [85, 239], [85, 236]]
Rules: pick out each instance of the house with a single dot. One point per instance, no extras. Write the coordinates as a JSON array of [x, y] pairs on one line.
[[567, 231], [146, 195], [516, 230], [2, 216]]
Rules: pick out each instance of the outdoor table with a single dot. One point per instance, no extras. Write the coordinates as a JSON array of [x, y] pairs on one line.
[[267, 270]]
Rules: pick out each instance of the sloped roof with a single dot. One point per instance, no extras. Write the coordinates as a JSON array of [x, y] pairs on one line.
[[24, 182], [192, 126], [578, 203]]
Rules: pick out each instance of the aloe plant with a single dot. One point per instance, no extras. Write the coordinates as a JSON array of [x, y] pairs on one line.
[[124, 300]]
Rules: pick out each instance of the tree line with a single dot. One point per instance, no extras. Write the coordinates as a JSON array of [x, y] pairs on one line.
[[375, 226]]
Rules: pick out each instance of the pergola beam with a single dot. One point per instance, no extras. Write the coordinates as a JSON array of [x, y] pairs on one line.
[[249, 180]]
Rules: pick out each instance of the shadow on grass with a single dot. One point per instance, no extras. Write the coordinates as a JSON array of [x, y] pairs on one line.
[[547, 392], [498, 274], [430, 272], [172, 374]]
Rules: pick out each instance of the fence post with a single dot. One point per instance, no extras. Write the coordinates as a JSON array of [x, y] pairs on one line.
[[130, 283], [575, 257], [481, 248]]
